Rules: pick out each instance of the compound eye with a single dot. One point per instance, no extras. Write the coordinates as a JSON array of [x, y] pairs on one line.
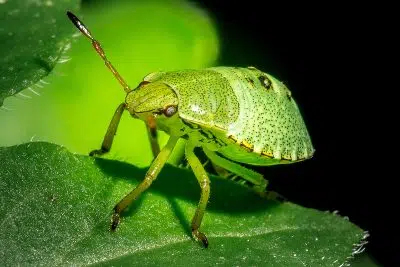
[[169, 111]]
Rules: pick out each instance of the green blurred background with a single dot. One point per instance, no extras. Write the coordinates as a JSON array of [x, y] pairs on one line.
[[77, 104]]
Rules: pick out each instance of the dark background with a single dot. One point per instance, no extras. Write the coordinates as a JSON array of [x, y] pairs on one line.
[[331, 59]]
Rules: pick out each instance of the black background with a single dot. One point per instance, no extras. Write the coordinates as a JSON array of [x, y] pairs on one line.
[[333, 60]]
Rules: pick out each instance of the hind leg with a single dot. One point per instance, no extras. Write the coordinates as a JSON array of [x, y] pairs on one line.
[[252, 179]]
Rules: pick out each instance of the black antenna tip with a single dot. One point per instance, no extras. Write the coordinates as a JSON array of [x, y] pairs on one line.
[[72, 17], [79, 24]]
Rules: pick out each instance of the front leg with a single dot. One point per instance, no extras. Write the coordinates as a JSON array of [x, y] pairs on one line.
[[112, 129], [151, 175]]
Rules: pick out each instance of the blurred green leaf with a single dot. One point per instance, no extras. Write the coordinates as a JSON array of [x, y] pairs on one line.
[[55, 210], [33, 37]]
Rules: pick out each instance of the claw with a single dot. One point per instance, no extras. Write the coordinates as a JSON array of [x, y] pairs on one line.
[[98, 152], [93, 152], [200, 236], [115, 221]]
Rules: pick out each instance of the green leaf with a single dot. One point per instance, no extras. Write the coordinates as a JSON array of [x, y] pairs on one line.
[[55, 209], [33, 37]]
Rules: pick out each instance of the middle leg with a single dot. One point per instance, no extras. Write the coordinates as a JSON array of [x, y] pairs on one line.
[[204, 183]]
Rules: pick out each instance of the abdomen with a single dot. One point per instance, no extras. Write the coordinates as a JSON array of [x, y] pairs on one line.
[[269, 124]]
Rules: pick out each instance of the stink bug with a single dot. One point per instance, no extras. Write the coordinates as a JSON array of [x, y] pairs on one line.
[[236, 115]]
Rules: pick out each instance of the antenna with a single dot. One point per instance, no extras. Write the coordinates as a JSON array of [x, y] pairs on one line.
[[98, 49]]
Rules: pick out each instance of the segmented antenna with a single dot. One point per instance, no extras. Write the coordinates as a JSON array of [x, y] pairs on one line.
[[98, 49]]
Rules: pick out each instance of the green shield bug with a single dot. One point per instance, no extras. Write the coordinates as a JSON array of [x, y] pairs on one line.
[[235, 115]]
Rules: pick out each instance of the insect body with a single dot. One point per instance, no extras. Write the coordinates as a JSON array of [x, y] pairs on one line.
[[236, 115]]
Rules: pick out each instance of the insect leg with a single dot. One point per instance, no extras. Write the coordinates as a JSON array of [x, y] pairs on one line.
[[204, 182], [253, 177], [112, 129], [152, 133], [151, 175], [257, 181]]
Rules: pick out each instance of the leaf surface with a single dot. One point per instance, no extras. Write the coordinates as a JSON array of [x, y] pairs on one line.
[[55, 210]]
